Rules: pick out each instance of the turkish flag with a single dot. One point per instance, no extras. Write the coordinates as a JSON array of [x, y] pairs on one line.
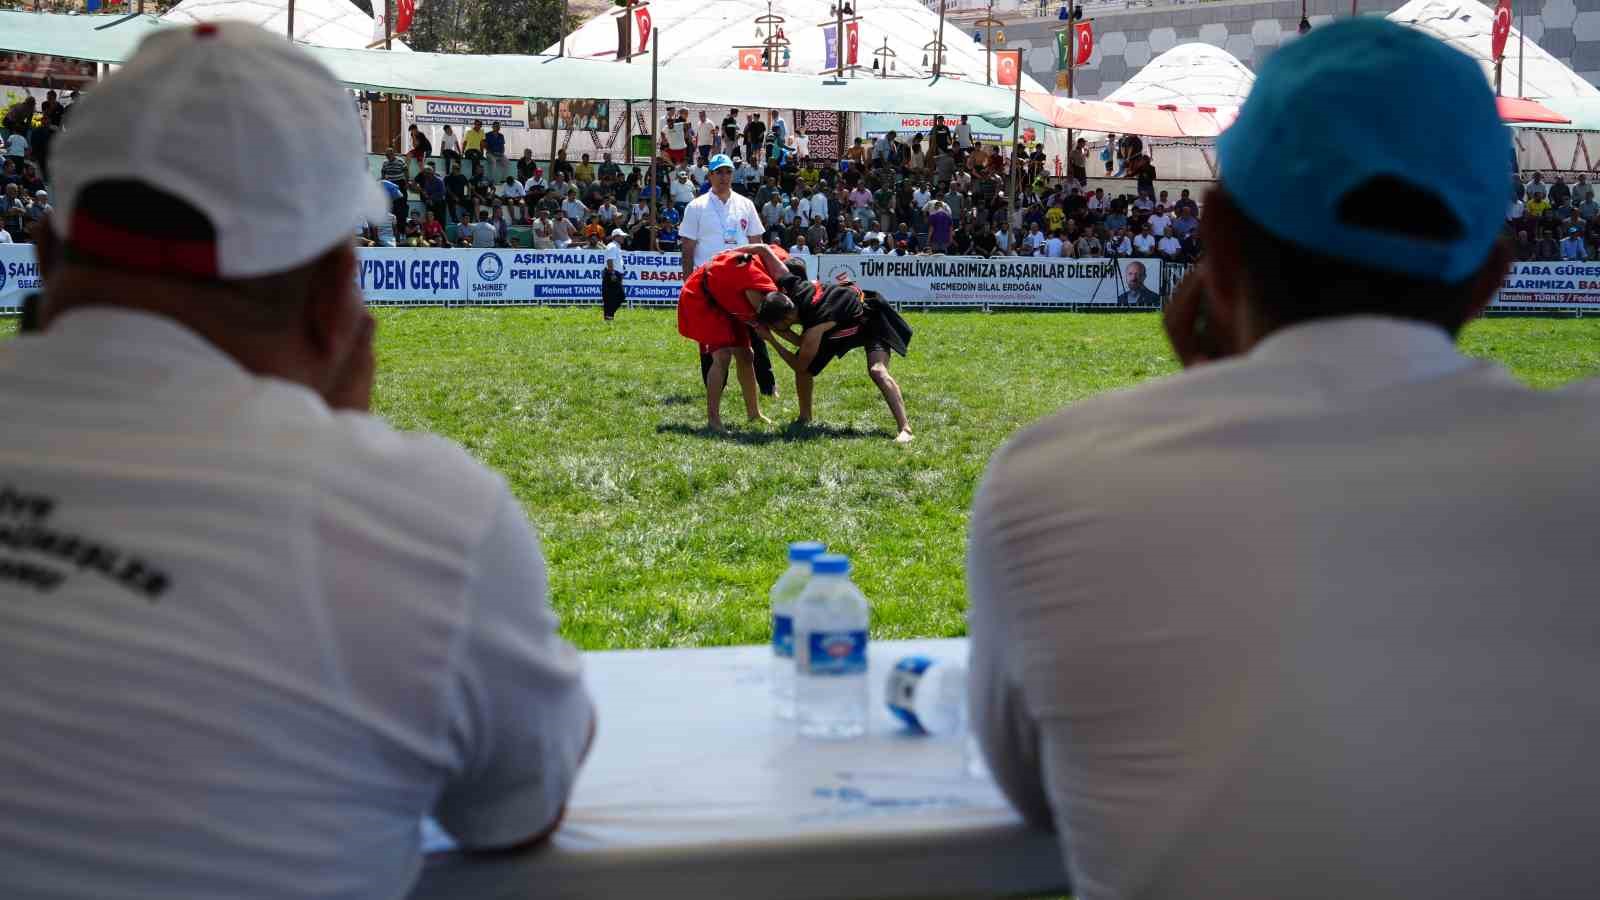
[[852, 40], [1502, 29], [1007, 62], [641, 20], [1083, 40], [750, 58], [403, 11]]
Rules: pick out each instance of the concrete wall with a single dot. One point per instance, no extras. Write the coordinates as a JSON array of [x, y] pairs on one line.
[[1125, 40]]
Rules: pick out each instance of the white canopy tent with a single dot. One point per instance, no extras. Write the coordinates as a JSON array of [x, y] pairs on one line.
[[325, 23], [1468, 26], [1526, 71], [1189, 76]]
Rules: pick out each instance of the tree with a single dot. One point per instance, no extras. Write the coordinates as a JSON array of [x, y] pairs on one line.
[[484, 26]]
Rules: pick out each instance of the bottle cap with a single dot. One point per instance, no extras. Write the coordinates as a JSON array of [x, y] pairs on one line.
[[830, 564], [805, 551]]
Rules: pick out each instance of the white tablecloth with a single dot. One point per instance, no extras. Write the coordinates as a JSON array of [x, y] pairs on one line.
[[695, 790]]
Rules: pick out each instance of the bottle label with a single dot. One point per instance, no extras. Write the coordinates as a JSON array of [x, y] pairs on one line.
[[783, 636], [830, 653]]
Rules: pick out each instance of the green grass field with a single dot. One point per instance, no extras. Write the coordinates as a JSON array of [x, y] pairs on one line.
[[660, 535]]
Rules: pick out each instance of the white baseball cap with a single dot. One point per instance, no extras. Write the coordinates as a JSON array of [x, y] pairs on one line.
[[238, 123]]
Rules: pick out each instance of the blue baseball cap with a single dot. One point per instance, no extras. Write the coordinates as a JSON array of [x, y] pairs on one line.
[[719, 161], [1360, 99]]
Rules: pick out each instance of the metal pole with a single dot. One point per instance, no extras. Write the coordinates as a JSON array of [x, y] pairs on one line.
[[1016, 126], [388, 22], [1353, 7], [655, 132], [988, 48], [627, 140], [1072, 61], [939, 41], [1522, 15], [291, 21], [563, 27]]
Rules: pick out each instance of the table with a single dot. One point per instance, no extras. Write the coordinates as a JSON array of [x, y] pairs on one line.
[[695, 790]]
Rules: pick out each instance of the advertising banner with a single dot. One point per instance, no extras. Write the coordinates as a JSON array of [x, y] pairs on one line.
[[904, 125], [1002, 281], [19, 274], [565, 276], [428, 275], [1557, 285], [466, 110]]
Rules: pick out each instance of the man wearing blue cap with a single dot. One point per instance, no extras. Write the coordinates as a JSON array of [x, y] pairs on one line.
[[717, 220], [1284, 625]]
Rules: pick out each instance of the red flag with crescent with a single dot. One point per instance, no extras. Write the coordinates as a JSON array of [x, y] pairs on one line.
[[1082, 42], [852, 41], [1502, 29], [1006, 63], [403, 11], [641, 21], [750, 58]]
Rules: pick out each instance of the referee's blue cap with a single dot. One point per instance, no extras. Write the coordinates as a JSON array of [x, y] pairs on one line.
[[1364, 99], [719, 161]]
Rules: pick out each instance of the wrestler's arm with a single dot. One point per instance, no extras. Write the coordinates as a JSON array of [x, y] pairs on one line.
[[809, 344], [769, 260]]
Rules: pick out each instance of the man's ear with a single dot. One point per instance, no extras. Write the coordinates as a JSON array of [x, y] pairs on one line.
[[333, 307], [1224, 265]]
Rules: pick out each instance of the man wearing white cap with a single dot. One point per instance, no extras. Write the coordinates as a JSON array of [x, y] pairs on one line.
[[612, 294], [1284, 624], [723, 219], [250, 635]]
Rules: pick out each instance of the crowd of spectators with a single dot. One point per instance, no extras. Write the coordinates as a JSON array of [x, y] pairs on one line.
[[26, 131], [1554, 221], [940, 193]]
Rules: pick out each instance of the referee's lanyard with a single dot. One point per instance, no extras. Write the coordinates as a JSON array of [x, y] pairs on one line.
[[730, 225]]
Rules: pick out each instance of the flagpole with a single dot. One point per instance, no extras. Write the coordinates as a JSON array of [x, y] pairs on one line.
[[655, 134], [1522, 14], [1016, 125], [291, 21], [388, 22]]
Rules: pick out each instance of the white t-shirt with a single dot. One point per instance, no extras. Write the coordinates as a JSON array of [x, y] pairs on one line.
[[1169, 245], [513, 189], [484, 234], [1278, 626], [963, 133], [16, 145], [287, 634], [385, 229], [705, 132], [5, 237], [1159, 224], [1052, 247], [819, 206], [682, 190], [1144, 243], [802, 145], [675, 139], [449, 143], [615, 257], [716, 226]]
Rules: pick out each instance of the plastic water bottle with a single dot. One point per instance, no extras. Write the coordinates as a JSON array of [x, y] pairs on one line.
[[928, 695], [830, 653], [784, 594]]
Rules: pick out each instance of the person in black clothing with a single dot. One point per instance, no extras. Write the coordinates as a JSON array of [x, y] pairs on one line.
[[940, 135], [835, 319], [455, 197], [754, 133], [730, 133]]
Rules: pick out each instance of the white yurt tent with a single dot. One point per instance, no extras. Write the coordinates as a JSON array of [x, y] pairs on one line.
[[1468, 26], [1189, 76], [326, 23]]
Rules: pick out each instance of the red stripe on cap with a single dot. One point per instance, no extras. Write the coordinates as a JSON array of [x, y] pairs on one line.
[[205, 29], [142, 252]]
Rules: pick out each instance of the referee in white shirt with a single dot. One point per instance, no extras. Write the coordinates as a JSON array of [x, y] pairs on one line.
[[722, 219], [1317, 619], [250, 635]]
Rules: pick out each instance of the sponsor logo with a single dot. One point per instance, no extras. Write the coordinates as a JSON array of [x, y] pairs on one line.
[[2, 276], [490, 268]]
